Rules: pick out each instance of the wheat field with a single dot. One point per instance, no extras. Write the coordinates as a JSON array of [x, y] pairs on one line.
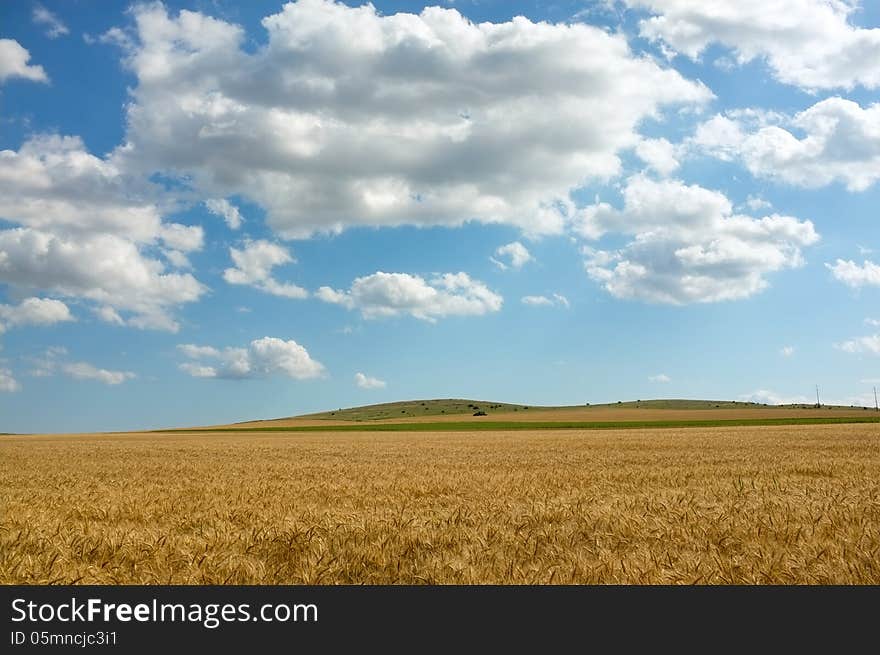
[[781, 504]]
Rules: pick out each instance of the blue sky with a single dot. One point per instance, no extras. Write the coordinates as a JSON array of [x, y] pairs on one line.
[[219, 211]]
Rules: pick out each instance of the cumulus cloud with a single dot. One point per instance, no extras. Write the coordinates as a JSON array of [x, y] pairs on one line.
[[86, 371], [840, 143], [688, 244], [659, 155], [253, 267], [660, 377], [34, 311], [349, 117], [390, 294], [869, 344], [226, 210], [367, 382], [874, 322], [537, 301], [103, 268], [787, 351], [14, 63], [55, 27], [811, 44], [85, 227], [261, 358], [853, 275], [515, 254]]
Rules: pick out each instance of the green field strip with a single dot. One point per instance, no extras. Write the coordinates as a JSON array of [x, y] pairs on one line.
[[479, 426]]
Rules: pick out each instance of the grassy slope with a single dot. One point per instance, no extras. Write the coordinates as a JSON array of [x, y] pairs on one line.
[[472, 426], [451, 406]]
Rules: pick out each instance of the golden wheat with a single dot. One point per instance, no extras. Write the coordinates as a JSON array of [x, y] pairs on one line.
[[798, 504]]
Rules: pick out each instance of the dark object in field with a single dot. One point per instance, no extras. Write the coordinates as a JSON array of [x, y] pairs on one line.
[[480, 413]]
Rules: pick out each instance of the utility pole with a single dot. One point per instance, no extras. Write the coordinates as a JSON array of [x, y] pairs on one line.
[[818, 404], [876, 407]]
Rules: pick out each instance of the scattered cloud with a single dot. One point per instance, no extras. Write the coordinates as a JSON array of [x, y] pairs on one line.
[[349, 117], [382, 295], [14, 63], [367, 382], [261, 358], [688, 245], [810, 44], [767, 397], [757, 203], [47, 364], [557, 299], [8, 383], [515, 254], [86, 371], [840, 143], [34, 311], [853, 275], [53, 361], [874, 322], [869, 344], [54, 25], [253, 267], [660, 377], [226, 210], [787, 351]]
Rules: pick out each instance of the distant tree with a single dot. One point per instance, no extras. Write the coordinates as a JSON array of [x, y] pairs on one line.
[[480, 413]]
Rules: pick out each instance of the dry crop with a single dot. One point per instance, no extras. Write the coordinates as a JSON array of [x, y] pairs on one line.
[[783, 504]]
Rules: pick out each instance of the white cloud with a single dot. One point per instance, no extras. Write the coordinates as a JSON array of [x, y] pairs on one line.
[[688, 245], [874, 322], [808, 43], [261, 358], [658, 154], [348, 117], [787, 351], [853, 275], [556, 299], [767, 397], [757, 203], [14, 63], [367, 382], [86, 371], [869, 344], [390, 294], [660, 377], [516, 254], [85, 228], [34, 311], [840, 143], [53, 183], [105, 269], [7, 382], [253, 267], [54, 25], [226, 210], [53, 360], [109, 315], [176, 258]]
